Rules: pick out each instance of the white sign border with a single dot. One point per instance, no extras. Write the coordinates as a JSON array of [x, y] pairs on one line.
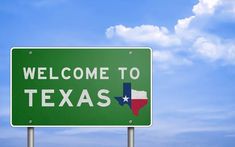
[[83, 47]]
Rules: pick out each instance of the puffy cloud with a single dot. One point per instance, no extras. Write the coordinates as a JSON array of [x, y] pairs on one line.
[[143, 34], [207, 48], [162, 56], [184, 30], [189, 36], [210, 7], [215, 49], [184, 23], [167, 56], [166, 59], [206, 6]]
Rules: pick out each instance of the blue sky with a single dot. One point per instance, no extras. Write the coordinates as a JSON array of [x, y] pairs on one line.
[[193, 65]]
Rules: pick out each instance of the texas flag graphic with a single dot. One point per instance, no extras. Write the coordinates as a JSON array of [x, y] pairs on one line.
[[135, 99]]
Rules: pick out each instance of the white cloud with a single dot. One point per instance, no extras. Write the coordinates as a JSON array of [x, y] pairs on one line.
[[183, 24], [206, 6], [215, 49], [143, 34], [166, 59], [210, 7], [163, 56], [207, 48], [189, 38]]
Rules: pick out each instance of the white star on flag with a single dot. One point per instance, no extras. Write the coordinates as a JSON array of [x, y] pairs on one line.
[[125, 98]]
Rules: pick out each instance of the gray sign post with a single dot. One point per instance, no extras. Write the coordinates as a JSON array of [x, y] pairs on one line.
[[130, 136], [30, 138]]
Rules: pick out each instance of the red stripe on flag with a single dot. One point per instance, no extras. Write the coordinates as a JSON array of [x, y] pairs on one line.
[[137, 104]]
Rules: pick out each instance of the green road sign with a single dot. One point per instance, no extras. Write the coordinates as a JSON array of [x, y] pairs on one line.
[[81, 86]]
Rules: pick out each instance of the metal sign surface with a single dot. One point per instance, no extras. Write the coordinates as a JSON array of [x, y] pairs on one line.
[[81, 86]]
